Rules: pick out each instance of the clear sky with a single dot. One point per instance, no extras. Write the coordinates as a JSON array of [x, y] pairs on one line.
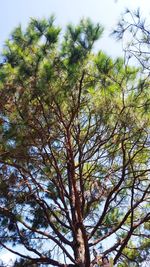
[[107, 12]]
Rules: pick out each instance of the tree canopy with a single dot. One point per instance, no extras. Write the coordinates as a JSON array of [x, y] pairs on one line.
[[74, 149]]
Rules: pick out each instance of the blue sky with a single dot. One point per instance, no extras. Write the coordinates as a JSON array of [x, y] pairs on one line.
[[106, 12]]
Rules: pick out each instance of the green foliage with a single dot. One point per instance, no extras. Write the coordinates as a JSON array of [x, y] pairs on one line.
[[79, 41], [74, 148]]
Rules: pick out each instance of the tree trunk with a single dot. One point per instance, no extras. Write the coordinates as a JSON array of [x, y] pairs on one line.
[[81, 250]]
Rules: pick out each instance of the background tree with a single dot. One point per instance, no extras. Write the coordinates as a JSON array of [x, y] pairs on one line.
[[74, 149], [134, 31]]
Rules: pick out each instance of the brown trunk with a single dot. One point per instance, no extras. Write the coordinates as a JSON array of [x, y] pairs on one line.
[[81, 250]]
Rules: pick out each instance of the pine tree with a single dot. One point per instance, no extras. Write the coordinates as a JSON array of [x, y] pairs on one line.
[[74, 149]]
